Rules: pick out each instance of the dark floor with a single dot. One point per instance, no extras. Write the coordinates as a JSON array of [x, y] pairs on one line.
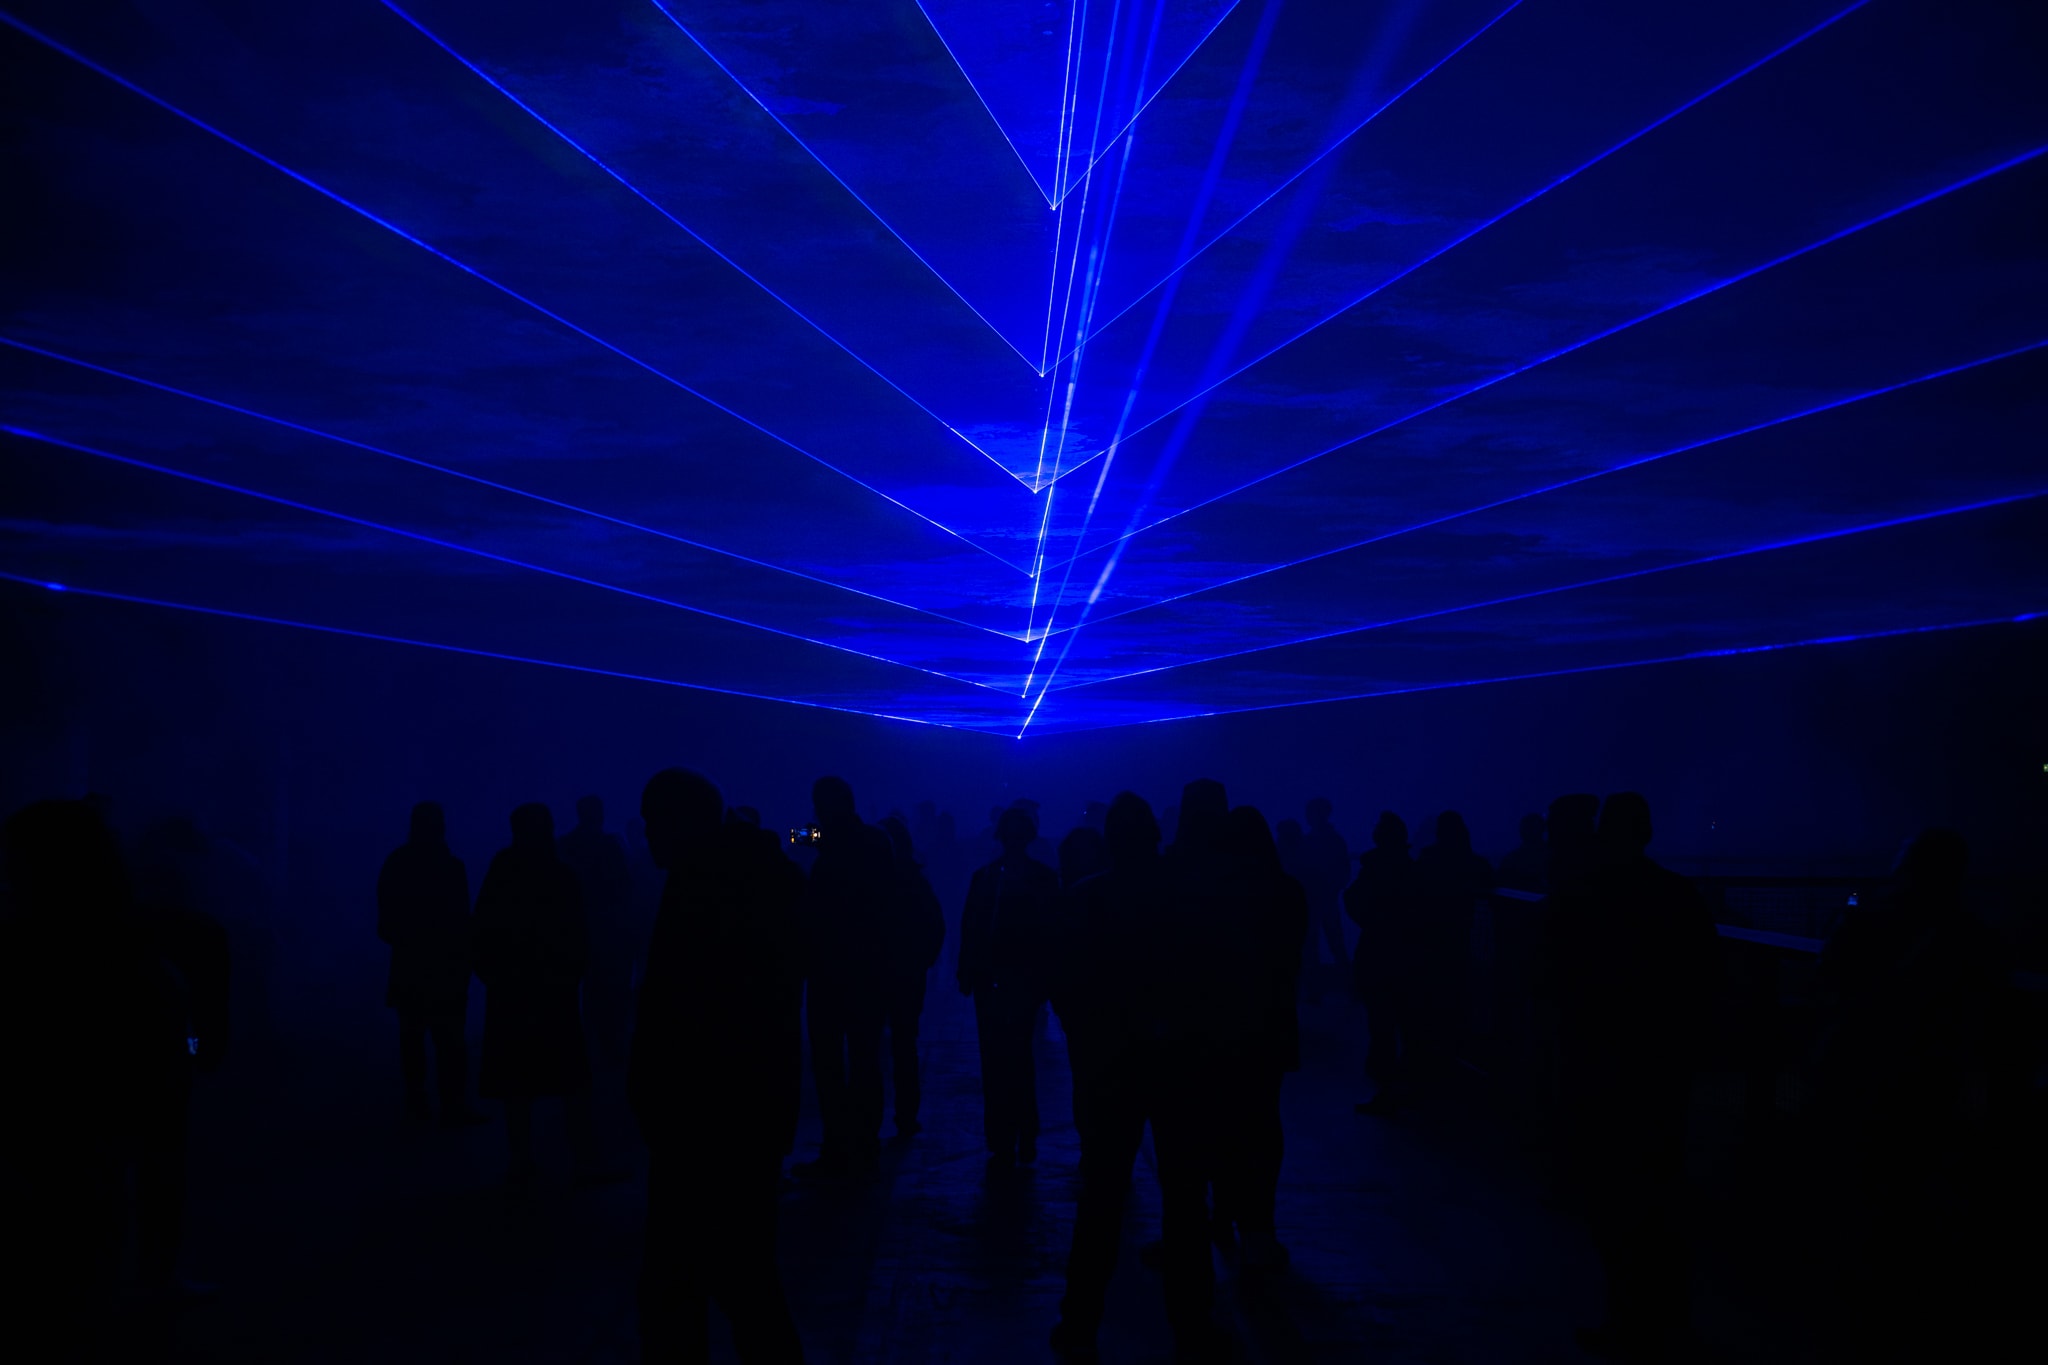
[[338, 1232]]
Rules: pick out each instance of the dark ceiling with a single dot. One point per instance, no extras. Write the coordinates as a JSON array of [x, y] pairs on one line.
[[1032, 366]]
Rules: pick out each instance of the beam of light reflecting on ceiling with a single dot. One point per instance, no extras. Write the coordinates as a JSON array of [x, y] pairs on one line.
[[1072, 632], [1725, 652], [1918, 201], [491, 484], [223, 613], [886, 225], [1073, 181], [1186, 254], [1098, 255], [1226, 138], [685, 228], [1098, 263], [947, 47], [1558, 486], [475, 274], [422, 538], [1790, 543], [1215, 377], [1091, 277]]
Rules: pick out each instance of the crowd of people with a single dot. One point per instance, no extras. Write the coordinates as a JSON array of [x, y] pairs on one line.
[[1174, 952]]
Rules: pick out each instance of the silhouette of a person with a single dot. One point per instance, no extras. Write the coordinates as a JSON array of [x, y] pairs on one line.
[[1108, 1002], [1449, 881], [530, 948], [1274, 929], [1527, 867], [1205, 1005], [715, 1074], [916, 934], [1324, 874], [100, 1058], [1381, 902], [1007, 932], [599, 861], [1636, 960], [1041, 847], [171, 876], [423, 913], [852, 886]]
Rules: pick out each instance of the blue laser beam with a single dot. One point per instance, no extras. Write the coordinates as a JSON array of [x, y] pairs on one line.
[[1249, 300], [424, 539], [1726, 652], [1790, 543], [492, 484], [1045, 512], [1076, 37], [1043, 193], [1102, 580], [1226, 139], [1098, 259], [227, 614], [471, 271], [685, 228], [1830, 239], [872, 212], [1076, 12], [1098, 256], [1558, 486], [1186, 256], [1146, 101], [1068, 122], [1210, 382], [1226, 136]]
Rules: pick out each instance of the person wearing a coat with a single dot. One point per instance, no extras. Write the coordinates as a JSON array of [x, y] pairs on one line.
[[530, 947], [1008, 931], [714, 1077], [423, 913], [915, 935]]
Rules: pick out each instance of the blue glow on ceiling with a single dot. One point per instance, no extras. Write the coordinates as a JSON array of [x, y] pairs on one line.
[[1034, 365]]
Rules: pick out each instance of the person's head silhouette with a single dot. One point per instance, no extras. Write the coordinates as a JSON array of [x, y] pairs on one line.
[[1390, 831], [1625, 824], [1015, 829], [1932, 872], [832, 801], [681, 810], [1129, 830], [590, 813], [1451, 834], [533, 829], [429, 825], [1248, 838]]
